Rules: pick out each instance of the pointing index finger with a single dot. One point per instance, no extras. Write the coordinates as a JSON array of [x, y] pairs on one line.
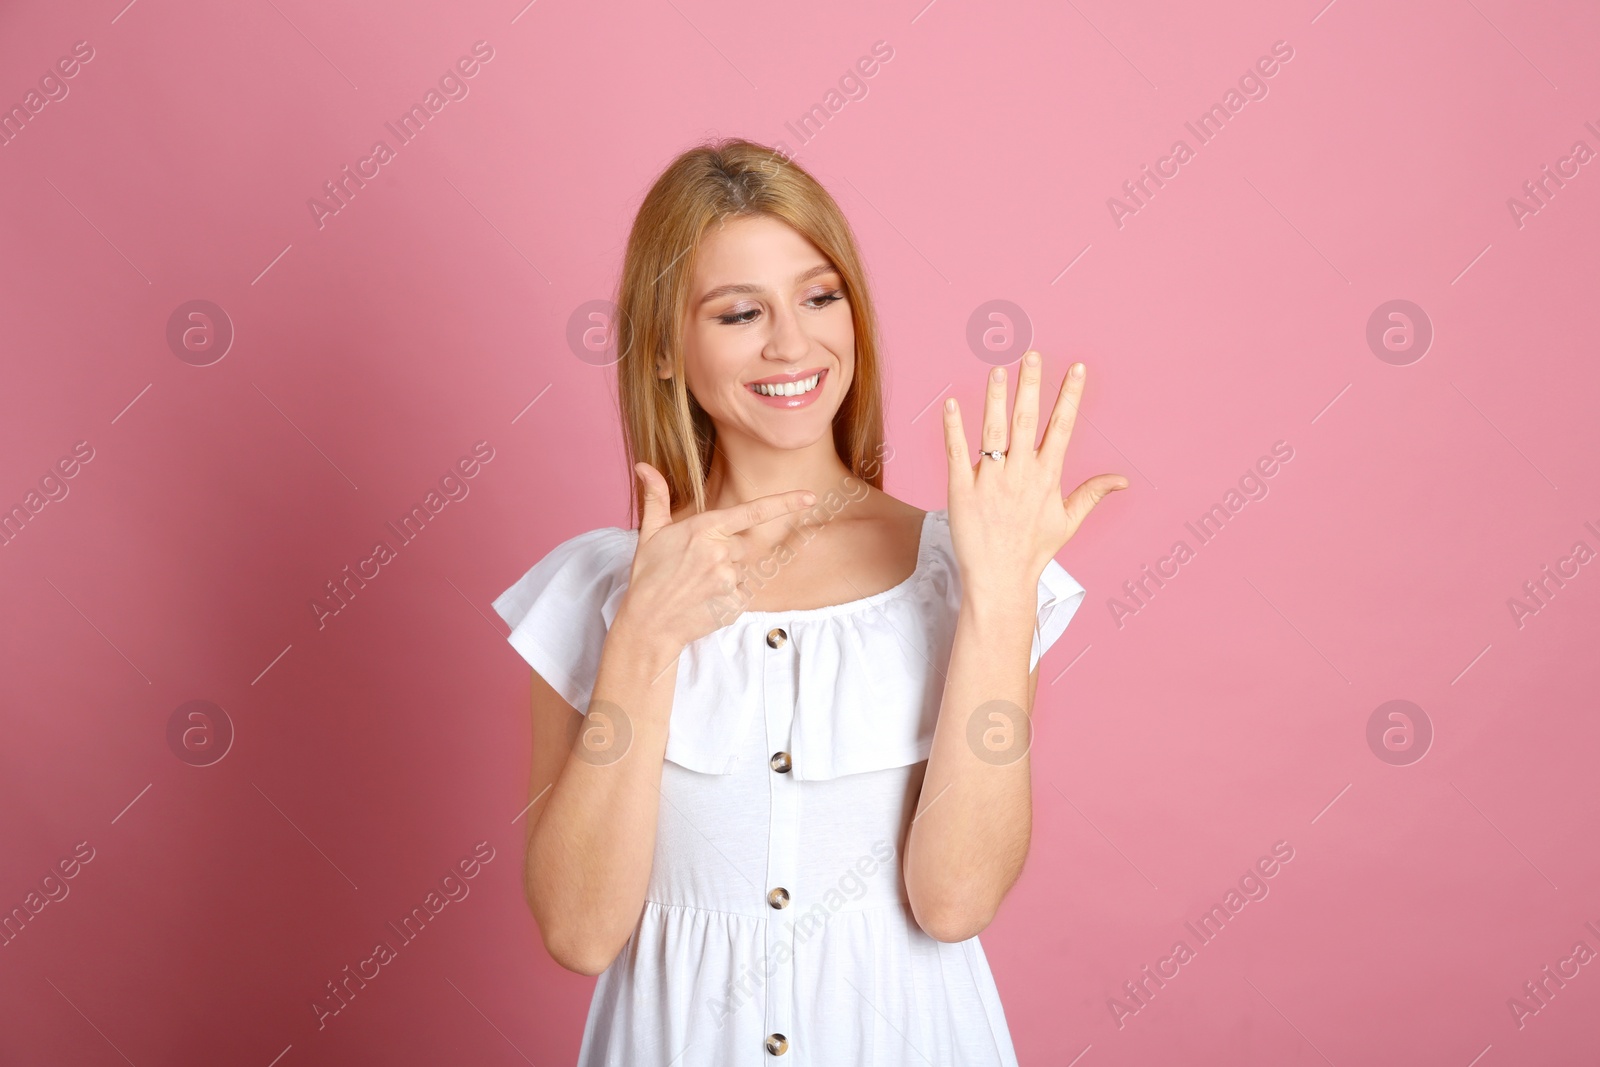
[[762, 509]]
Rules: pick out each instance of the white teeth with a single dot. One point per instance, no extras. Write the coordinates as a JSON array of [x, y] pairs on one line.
[[804, 385]]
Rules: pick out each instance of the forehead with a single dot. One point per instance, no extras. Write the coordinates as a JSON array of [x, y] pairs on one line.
[[757, 250]]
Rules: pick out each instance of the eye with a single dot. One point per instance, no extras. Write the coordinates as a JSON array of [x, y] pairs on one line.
[[736, 318], [816, 303]]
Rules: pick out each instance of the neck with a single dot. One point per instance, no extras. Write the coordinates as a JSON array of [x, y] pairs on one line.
[[743, 470]]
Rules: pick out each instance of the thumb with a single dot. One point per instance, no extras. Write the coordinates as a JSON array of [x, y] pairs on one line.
[[657, 511], [1083, 499]]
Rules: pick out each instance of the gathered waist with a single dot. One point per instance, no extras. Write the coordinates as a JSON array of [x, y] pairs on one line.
[[817, 910]]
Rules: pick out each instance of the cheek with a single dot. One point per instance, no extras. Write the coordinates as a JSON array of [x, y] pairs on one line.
[[839, 334], [700, 354], [713, 360]]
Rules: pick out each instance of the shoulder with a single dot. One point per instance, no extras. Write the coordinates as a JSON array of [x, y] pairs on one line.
[[892, 515], [881, 504], [560, 609], [597, 547], [594, 550], [594, 559], [880, 531]]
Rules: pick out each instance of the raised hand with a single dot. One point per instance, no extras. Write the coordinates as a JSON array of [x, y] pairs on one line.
[[1007, 516], [683, 571]]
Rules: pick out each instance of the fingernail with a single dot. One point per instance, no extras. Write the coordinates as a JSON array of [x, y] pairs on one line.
[[1031, 359], [1077, 370]]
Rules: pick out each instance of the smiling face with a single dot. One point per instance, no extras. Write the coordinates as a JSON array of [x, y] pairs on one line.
[[768, 337]]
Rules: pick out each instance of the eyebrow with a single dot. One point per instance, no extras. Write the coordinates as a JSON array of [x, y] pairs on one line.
[[746, 287]]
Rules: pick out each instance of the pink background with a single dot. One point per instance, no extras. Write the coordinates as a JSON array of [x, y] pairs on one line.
[[1229, 313]]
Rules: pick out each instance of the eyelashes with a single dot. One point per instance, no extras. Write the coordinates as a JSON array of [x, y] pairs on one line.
[[738, 318]]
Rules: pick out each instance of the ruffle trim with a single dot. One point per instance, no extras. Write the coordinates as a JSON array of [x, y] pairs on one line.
[[561, 609], [868, 690], [867, 697]]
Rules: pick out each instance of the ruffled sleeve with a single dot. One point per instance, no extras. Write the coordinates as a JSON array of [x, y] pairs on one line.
[[1059, 597], [868, 676], [561, 609]]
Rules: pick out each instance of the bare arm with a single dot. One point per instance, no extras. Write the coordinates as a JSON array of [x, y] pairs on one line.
[[596, 779], [975, 815], [1007, 521], [596, 784]]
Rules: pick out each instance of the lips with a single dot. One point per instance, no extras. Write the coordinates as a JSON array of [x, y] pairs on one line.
[[783, 391], [792, 376], [800, 383]]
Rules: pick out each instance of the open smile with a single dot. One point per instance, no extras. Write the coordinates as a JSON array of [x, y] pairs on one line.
[[789, 391]]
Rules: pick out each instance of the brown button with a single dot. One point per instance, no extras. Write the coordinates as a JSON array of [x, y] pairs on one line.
[[776, 637], [781, 762], [778, 898], [777, 1044]]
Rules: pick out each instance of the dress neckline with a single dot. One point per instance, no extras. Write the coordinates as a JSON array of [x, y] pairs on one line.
[[861, 603]]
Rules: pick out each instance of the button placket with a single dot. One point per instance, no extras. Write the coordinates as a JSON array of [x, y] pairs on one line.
[[779, 691]]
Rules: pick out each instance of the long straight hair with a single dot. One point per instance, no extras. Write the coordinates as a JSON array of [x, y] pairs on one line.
[[662, 423]]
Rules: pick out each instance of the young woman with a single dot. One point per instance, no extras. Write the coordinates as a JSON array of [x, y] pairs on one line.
[[780, 730]]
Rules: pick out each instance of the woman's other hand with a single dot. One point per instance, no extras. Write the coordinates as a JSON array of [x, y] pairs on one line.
[[685, 579], [1007, 516]]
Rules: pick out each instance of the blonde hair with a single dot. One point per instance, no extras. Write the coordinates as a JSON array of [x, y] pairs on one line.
[[662, 424]]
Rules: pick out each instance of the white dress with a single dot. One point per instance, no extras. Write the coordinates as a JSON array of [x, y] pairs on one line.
[[775, 929]]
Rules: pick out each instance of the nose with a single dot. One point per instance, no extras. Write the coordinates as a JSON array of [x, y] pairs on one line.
[[787, 340]]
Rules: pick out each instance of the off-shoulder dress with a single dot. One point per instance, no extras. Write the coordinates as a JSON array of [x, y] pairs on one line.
[[775, 930]]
